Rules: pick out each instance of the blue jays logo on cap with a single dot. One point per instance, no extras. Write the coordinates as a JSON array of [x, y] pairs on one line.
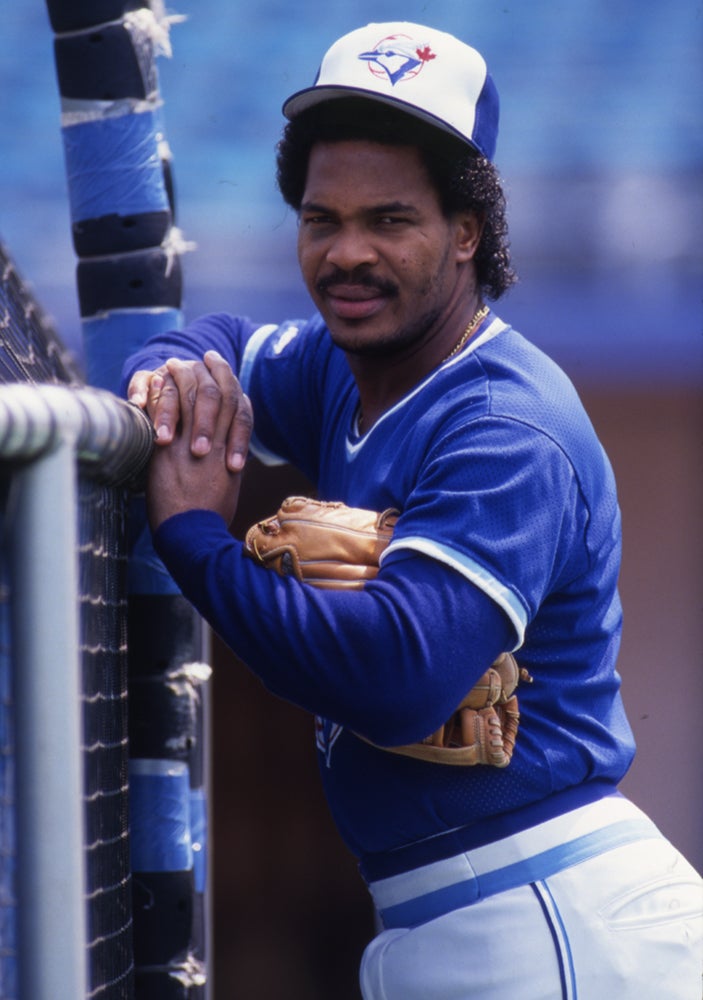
[[398, 58]]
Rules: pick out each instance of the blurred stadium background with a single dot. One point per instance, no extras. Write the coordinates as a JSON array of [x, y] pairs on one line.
[[601, 149]]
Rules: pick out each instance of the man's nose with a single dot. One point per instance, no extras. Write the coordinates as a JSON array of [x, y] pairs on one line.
[[351, 247]]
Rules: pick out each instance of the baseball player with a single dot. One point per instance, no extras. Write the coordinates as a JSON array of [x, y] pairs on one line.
[[447, 607]]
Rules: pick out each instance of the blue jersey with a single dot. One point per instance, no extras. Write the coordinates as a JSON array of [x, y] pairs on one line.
[[508, 538]]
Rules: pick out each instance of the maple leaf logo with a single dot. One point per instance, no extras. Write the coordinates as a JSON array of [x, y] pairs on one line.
[[424, 55]]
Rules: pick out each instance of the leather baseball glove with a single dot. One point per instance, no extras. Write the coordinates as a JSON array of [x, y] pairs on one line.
[[333, 546], [483, 728], [327, 545]]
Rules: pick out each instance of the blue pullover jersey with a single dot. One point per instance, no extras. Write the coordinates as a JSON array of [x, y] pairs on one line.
[[508, 538]]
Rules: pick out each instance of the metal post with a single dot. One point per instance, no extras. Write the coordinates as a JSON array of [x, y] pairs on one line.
[[45, 623]]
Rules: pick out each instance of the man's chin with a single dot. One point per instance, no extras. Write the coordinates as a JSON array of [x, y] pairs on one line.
[[363, 343]]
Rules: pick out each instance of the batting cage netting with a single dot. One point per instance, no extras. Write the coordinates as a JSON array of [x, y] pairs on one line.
[[59, 855]]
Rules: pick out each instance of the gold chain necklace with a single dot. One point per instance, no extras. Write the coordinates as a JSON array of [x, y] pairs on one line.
[[479, 315], [476, 319]]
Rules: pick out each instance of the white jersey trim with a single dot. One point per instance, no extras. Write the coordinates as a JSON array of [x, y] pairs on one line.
[[475, 573], [253, 346]]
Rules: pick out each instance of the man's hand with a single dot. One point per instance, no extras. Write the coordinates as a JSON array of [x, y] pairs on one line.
[[203, 394], [203, 452]]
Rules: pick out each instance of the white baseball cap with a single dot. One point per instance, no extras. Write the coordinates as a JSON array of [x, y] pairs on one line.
[[422, 71]]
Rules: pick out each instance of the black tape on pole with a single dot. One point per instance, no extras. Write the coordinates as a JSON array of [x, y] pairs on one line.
[[143, 279], [101, 64], [74, 15], [112, 234]]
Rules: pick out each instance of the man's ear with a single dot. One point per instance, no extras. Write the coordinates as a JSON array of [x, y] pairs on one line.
[[469, 230]]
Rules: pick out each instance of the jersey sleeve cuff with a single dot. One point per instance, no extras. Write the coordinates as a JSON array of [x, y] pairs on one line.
[[506, 599], [180, 539]]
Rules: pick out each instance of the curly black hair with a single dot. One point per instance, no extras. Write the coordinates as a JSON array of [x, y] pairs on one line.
[[464, 180]]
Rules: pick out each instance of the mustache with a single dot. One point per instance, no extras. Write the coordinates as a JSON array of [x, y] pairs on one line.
[[362, 278]]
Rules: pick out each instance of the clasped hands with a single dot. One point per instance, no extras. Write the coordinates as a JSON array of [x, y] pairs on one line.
[[203, 422]]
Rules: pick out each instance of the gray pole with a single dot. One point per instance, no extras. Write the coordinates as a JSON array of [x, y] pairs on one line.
[[44, 431], [50, 863]]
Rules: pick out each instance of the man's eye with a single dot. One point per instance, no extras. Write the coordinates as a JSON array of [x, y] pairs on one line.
[[318, 220]]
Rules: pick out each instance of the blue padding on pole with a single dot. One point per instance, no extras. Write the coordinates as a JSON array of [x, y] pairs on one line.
[[198, 826], [160, 816], [113, 165], [110, 338]]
